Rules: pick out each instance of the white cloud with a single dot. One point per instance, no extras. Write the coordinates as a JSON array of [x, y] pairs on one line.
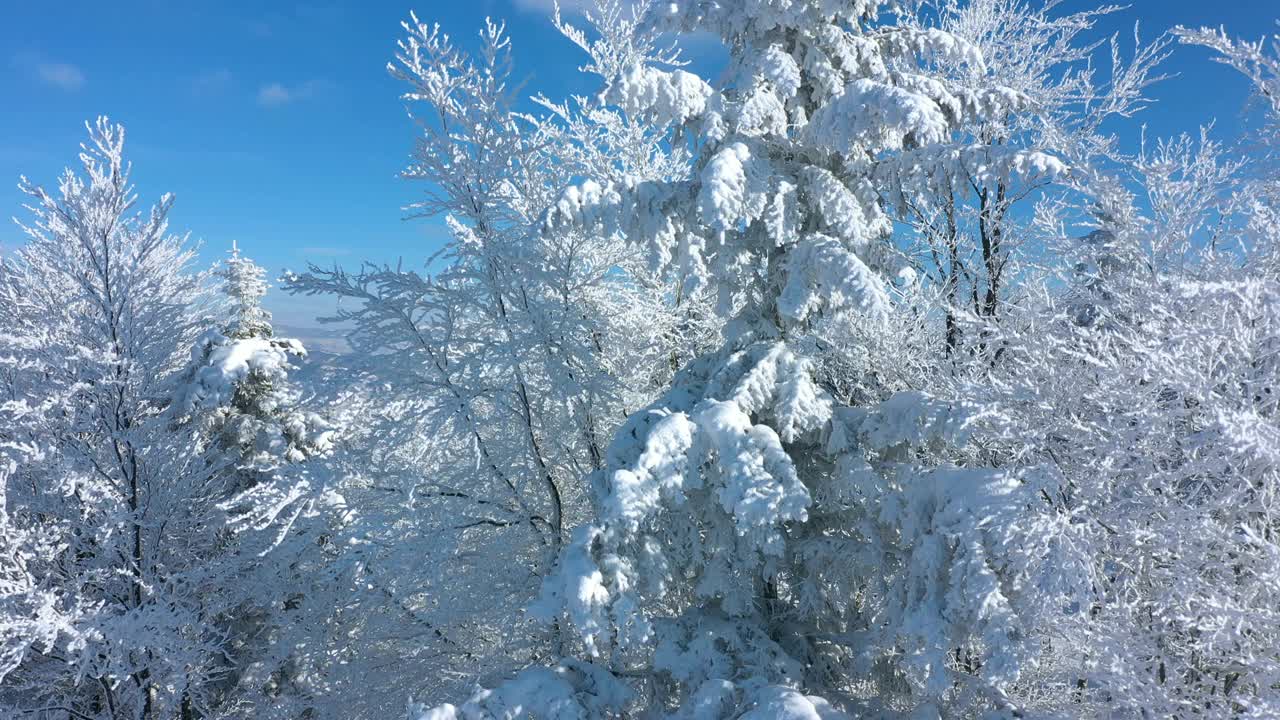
[[274, 94], [278, 94], [64, 76]]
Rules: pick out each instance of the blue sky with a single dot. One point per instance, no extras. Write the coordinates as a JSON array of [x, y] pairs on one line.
[[276, 125]]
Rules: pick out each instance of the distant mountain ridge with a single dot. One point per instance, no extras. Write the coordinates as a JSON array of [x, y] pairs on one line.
[[327, 339]]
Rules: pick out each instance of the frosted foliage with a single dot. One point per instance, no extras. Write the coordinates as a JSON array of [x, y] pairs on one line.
[[874, 115], [785, 703], [794, 139], [228, 363], [119, 578], [486, 383], [747, 504], [1142, 398], [244, 383], [876, 375], [687, 469], [576, 691], [827, 276], [814, 108], [710, 452], [244, 285], [664, 98], [726, 200], [1183, 462]]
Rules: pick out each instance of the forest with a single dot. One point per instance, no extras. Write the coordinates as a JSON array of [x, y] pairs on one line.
[[890, 371]]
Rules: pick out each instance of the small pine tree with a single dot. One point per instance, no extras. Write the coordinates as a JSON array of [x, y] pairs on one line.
[[244, 283], [239, 380]]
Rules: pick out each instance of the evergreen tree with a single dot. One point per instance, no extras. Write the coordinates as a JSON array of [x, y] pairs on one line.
[[760, 545]]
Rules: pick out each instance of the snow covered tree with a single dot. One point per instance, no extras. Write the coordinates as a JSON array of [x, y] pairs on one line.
[[969, 208], [723, 399], [1141, 381], [1260, 62], [244, 283], [110, 517], [760, 546], [1141, 389], [278, 502], [122, 574], [241, 372], [780, 537], [487, 383]]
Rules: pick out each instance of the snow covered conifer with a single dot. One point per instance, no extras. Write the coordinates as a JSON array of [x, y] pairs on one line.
[[760, 547], [243, 281], [238, 382]]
